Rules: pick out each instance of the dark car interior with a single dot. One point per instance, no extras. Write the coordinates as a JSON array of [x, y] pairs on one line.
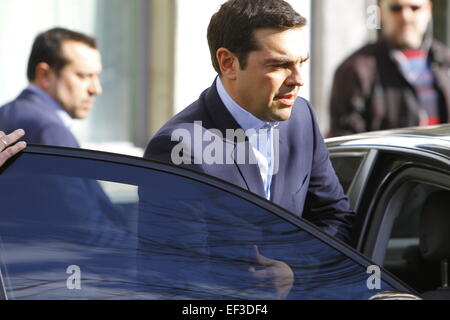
[[419, 246], [404, 215], [434, 238]]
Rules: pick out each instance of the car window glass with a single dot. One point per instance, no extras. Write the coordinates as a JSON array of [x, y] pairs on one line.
[[85, 229], [346, 167]]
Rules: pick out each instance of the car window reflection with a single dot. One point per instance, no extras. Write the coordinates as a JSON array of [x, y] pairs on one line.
[[202, 238], [51, 222], [155, 235]]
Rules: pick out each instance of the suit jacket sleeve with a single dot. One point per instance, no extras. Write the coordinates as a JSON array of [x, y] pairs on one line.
[[56, 135], [326, 205]]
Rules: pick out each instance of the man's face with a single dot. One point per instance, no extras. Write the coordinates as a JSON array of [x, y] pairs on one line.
[[405, 21], [270, 83], [78, 82]]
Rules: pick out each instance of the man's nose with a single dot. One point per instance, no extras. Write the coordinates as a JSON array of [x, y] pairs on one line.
[[295, 78], [95, 87]]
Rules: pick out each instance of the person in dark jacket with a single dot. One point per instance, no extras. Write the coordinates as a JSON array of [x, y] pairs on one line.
[[402, 80]]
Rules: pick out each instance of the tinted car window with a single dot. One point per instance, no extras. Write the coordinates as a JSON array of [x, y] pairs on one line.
[[346, 167], [74, 228]]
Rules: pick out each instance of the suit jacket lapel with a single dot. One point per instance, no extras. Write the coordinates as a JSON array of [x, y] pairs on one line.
[[247, 165], [224, 121], [280, 152]]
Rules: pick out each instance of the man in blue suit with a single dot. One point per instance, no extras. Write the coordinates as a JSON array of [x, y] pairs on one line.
[[63, 71], [251, 129], [258, 49]]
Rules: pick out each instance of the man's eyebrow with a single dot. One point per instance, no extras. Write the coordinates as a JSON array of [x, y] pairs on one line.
[[284, 60]]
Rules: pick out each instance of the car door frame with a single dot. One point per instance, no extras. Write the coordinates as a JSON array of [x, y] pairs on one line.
[[370, 183]]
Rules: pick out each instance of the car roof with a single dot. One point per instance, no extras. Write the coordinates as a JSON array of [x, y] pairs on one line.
[[434, 138]]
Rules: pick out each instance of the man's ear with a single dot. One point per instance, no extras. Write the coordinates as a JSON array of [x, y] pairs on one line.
[[43, 75], [228, 63]]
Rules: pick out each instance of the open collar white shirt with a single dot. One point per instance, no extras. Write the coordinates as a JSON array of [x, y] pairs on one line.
[[259, 133]]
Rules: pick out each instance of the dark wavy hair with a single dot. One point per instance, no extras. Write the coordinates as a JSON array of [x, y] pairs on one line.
[[233, 26]]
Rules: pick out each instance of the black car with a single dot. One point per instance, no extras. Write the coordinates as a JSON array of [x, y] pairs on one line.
[[78, 224], [398, 183]]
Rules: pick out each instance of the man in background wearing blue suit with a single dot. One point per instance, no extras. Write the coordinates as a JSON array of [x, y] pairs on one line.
[[63, 71]]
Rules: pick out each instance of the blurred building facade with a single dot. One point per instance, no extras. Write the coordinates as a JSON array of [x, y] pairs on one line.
[[156, 59]]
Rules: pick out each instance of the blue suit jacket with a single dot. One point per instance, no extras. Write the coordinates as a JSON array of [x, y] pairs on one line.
[[41, 123], [305, 184]]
